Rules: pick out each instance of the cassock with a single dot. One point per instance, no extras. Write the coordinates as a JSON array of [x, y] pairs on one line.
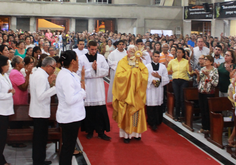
[[80, 52], [129, 97], [113, 59], [155, 94], [95, 105]]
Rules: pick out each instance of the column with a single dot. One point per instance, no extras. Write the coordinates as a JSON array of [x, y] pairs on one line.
[[13, 23], [91, 25], [184, 3], [227, 27], [217, 27], [72, 25], [32, 24], [187, 25], [140, 26]]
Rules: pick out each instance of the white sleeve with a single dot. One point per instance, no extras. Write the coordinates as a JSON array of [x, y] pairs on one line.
[[41, 87], [111, 62], [164, 77]]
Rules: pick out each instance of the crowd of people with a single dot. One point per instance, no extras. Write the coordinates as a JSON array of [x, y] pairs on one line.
[[72, 66]]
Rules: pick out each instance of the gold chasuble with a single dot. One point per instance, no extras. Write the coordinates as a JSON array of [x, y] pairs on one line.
[[129, 96]]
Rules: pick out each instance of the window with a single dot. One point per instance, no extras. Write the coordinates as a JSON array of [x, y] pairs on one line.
[[99, 1], [157, 2]]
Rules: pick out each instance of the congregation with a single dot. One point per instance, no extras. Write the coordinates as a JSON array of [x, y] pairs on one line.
[[35, 66]]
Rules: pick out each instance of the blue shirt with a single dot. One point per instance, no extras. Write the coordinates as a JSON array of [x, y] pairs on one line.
[[191, 43]]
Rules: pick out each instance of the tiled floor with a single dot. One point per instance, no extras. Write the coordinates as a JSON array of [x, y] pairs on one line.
[[23, 156], [200, 137]]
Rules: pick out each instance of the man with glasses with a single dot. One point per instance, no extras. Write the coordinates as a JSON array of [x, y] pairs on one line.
[[113, 58], [39, 110], [218, 59], [45, 50], [199, 50]]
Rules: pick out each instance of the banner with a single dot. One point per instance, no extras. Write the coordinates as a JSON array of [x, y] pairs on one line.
[[198, 12], [225, 9]]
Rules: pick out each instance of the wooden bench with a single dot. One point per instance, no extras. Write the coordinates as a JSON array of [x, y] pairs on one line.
[[171, 99], [26, 134], [216, 106], [190, 95]]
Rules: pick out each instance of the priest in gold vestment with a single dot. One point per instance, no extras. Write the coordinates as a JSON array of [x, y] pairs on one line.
[[129, 94]]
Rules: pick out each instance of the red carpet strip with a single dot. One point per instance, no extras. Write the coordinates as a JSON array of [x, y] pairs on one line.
[[164, 147]]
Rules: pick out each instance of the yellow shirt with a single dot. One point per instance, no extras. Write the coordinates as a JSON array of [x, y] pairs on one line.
[[180, 69]]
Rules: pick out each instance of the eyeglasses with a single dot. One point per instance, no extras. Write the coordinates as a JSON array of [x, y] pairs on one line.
[[52, 67], [201, 59]]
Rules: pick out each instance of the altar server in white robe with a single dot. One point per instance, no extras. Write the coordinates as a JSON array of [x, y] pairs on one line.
[[96, 68], [157, 79], [80, 50], [113, 58], [146, 59]]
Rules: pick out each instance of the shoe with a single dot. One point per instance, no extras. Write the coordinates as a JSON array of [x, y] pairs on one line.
[[139, 138], [18, 145], [126, 141], [47, 162], [77, 152], [89, 135], [104, 137], [154, 128]]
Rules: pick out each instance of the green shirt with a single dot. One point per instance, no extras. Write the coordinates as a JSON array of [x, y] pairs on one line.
[[21, 55], [224, 79]]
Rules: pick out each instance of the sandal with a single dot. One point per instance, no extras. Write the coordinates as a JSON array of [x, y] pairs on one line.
[[77, 152]]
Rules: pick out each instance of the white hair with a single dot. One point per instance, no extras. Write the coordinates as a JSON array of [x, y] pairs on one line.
[[131, 47], [164, 45]]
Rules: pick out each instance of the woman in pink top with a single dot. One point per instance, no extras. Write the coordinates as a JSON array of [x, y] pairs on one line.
[[48, 35], [19, 82]]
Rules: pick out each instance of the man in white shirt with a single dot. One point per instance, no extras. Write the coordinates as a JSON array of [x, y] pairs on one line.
[[113, 58], [147, 59], [45, 50], [218, 59], [39, 109], [80, 50], [96, 68], [199, 50]]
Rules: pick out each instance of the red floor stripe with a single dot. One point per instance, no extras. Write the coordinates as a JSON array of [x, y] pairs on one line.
[[164, 147]]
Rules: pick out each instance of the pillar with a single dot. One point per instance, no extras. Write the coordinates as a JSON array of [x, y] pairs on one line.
[[13, 23], [72, 25], [32, 24], [91, 25], [217, 27], [187, 25]]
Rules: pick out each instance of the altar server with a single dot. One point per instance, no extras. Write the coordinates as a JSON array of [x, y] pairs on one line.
[[113, 59], [96, 68], [157, 79]]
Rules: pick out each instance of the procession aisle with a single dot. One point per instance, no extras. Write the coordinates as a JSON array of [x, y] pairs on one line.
[[163, 147]]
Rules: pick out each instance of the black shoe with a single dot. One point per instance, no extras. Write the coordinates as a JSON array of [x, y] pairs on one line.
[[139, 138], [126, 141], [89, 135], [47, 162], [104, 137], [154, 128]]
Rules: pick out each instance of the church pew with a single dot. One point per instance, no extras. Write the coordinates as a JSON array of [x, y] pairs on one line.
[[216, 106], [190, 95], [230, 149], [26, 134], [170, 100]]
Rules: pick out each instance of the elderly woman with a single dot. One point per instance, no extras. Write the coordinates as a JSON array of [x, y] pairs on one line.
[[19, 82], [208, 79], [6, 102]]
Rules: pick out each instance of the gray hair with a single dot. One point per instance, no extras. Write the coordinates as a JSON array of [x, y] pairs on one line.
[[15, 60], [131, 47], [48, 61], [164, 45]]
